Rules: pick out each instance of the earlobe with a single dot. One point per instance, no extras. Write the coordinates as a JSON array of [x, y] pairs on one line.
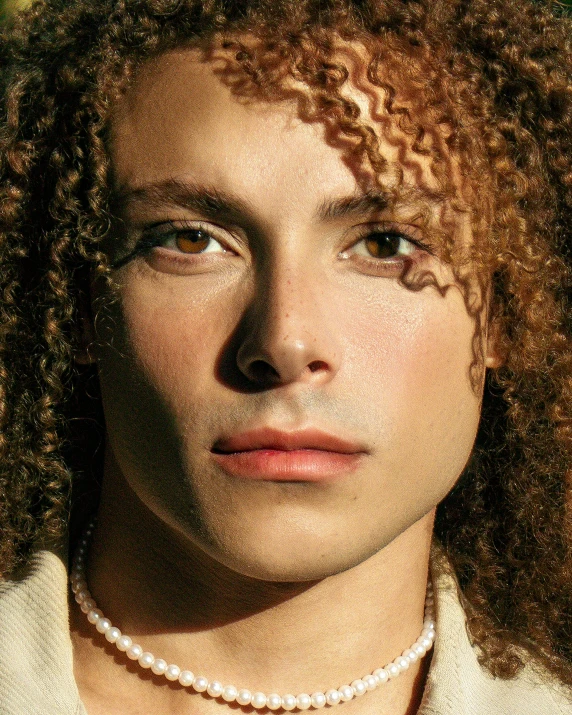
[[494, 355], [493, 361]]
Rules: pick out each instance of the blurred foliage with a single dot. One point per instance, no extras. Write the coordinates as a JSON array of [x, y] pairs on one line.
[[9, 6], [567, 6]]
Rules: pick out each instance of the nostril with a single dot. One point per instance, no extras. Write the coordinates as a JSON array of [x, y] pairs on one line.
[[317, 365], [262, 372]]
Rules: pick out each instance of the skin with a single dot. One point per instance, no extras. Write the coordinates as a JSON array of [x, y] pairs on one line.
[[288, 321]]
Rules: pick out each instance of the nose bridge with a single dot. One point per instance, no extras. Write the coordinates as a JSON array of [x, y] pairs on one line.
[[287, 294], [288, 335]]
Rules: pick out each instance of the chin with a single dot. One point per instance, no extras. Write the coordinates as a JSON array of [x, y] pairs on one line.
[[283, 554]]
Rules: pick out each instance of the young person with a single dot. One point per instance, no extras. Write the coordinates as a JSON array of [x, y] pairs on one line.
[[285, 307]]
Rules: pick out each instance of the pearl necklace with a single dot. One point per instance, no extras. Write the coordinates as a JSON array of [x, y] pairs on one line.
[[231, 693]]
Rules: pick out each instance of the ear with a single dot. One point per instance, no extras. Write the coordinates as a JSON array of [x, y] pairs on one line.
[[84, 333], [494, 354]]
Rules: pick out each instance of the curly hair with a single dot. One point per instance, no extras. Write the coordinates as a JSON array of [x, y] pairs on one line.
[[494, 75]]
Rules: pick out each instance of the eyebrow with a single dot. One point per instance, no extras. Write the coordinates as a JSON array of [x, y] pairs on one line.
[[368, 202], [214, 203]]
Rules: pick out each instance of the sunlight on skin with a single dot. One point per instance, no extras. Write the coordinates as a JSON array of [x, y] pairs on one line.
[[265, 578]]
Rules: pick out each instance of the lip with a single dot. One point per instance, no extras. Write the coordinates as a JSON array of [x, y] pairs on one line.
[[308, 455]]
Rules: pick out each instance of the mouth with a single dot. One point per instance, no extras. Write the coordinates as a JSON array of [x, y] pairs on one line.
[[308, 455]]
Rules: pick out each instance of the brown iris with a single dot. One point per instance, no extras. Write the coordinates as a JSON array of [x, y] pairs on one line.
[[192, 241], [383, 245]]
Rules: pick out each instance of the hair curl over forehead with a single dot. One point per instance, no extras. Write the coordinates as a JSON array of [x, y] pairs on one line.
[[492, 83]]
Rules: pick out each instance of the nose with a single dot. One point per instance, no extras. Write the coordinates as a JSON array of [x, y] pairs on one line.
[[289, 336]]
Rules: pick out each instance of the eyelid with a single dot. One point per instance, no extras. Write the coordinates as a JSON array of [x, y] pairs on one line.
[[407, 231], [163, 229], [155, 234]]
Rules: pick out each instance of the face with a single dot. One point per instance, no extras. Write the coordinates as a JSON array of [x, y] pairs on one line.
[[273, 393]]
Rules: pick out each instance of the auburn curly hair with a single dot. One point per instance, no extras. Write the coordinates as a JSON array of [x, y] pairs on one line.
[[495, 75]]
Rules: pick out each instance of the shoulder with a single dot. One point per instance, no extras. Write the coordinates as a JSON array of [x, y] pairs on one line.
[[36, 661], [458, 685]]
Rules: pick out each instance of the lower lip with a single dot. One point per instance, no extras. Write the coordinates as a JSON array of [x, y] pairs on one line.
[[297, 465]]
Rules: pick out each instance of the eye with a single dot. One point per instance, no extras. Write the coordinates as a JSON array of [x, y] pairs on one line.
[[384, 245], [190, 240], [385, 250], [177, 240]]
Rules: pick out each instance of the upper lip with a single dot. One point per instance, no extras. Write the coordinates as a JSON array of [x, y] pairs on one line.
[[270, 438]]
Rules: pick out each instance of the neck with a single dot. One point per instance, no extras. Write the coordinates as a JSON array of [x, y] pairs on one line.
[[177, 602]]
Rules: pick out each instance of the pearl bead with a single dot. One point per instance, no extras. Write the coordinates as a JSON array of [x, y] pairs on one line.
[[419, 649], [358, 687], [244, 697], [87, 605], [426, 643], [318, 700], [146, 659], [258, 701], [332, 697], [172, 673], [214, 689], [94, 616], [303, 701], [186, 678], [200, 684], [123, 643], [134, 652], [288, 702], [382, 675], [411, 655], [103, 624], [159, 666], [273, 701], [393, 670], [346, 693], [229, 693], [112, 634], [402, 663], [81, 596], [370, 682]]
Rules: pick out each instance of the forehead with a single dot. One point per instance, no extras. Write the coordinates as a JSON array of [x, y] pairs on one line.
[[181, 120]]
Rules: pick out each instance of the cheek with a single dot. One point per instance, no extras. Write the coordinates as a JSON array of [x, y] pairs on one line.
[[175, 336], [415, 339], [408, 361], [159, 346]]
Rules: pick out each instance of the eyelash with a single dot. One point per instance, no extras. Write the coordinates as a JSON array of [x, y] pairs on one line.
[[157, 235], [392, 232]]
